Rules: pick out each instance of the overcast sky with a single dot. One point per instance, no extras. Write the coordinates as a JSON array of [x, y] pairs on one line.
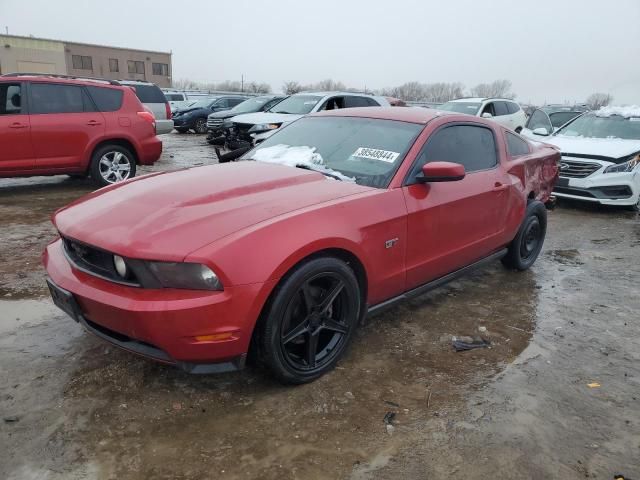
[[551, 50]]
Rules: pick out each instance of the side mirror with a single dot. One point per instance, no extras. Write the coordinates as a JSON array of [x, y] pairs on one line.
[[441, 172], [487, 115], [540, 131]]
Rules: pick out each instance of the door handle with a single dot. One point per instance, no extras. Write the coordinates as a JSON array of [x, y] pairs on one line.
[[18, 125], [498, 187], [93, 123]]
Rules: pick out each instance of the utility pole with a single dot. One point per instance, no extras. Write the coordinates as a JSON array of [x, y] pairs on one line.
[[242, 83], [7, 30]]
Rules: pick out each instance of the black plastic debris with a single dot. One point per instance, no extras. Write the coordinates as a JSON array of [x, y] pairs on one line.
[[460, 344], [389, 417]]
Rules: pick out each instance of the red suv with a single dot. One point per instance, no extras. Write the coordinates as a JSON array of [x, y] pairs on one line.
[[52, 125]]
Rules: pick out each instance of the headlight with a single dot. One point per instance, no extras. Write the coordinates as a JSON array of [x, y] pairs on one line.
[[264, 127], [193, 276], [627, 166]]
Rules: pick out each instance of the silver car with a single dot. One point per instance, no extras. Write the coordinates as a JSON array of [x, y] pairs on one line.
[[152, 97]]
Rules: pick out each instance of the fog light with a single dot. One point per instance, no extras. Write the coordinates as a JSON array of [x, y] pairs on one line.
[[121, 266]]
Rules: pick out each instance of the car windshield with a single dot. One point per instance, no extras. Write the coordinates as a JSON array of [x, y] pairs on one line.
[[362, 150], [204, 103], [297, 104], [461, 107], [614, 126], [251, 105], [560, 118]]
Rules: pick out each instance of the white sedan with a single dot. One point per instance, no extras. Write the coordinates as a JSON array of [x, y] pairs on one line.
[[600, 155], [501, 110]]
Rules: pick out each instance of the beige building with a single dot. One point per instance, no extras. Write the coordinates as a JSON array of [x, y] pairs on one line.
[[39, 55]]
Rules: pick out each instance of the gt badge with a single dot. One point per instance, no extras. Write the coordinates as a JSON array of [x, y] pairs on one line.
[[390, 243]]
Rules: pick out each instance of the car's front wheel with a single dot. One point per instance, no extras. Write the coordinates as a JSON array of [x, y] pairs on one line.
[[527, 244], [112, 164], [310, 320], [200, 126]]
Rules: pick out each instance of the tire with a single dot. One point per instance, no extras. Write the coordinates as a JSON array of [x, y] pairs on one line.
[[527, 244], [309, 321], [103, 170], [181, 130], [200, 126]]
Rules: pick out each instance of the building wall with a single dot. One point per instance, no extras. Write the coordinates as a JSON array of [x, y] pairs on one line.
[[22, 54], [100, 63], [25, 54]]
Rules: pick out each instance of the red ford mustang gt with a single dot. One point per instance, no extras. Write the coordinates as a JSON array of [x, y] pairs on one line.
[[336, 215]]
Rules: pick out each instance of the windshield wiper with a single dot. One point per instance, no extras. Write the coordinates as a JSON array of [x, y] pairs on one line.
[[307, 167]]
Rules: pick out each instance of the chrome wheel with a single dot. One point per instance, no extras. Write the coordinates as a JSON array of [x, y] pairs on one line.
[[200, 126], [114, 167]]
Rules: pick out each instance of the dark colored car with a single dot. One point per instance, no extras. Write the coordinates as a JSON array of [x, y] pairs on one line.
[[341, 213], [215, 121], [57, 124], [195, 116]]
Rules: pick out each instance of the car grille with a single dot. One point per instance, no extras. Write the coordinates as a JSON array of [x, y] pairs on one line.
[[573, 169], [243, 128], [93, 261], [214, 122]]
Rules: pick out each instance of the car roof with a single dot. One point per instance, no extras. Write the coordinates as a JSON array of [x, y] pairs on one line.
[[411, 115], [481, 99], [337, 92]]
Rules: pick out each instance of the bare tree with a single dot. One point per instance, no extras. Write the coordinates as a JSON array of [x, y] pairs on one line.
[[497, 88], [254, 87], [185, 84], [289, 88], [597, 100], [328, 85], [425, 92]]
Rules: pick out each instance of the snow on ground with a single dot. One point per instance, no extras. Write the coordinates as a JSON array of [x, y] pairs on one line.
[[627, 111], [296, 156]]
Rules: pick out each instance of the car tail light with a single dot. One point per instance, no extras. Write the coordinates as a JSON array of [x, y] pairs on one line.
[[148, 116], [168, 110]]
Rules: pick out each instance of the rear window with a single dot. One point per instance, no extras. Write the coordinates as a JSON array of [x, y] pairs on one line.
[[106, 99], [513, 107], [516, 145], [173, 97], [149, 94]]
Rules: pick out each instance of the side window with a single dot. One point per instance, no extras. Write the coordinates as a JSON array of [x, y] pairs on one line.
[[488, 108], [236, 101], [513, 107], [222, 103], [539, 119], [471, 146], [332, 104], [516, 146], [52, 98], [10, 99], [500, 108], [106, 99], [351, 102]]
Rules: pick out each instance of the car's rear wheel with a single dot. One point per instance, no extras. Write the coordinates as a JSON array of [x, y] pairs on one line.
[[527, 244], [310, 320], [112, 164], [200, 126]]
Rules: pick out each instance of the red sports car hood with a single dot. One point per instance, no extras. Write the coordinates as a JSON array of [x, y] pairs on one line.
[[166, 216]]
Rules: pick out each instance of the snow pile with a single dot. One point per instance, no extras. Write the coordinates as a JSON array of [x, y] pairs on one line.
[[296, 156], [624, 111]]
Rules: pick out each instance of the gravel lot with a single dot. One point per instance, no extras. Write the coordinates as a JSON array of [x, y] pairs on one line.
[[73, 407]]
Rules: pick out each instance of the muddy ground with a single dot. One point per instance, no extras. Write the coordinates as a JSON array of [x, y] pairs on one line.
[[72, 407]]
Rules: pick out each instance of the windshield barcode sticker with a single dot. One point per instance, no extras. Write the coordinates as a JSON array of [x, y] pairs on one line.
[[375, 154]]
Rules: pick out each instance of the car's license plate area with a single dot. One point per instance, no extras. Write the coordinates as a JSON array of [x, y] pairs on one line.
[[64, 300]]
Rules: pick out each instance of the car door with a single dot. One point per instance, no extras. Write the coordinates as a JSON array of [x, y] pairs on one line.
[[16, 148], [64, 123], [220, 105], [502, 114], [453, 224]]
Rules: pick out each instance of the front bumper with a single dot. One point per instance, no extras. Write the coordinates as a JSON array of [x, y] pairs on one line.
[[162, 324], [605, 188], [183, 122]]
